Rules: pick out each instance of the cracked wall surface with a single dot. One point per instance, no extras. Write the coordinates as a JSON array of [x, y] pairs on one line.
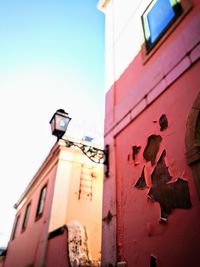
[[169, 195], [77, 245]]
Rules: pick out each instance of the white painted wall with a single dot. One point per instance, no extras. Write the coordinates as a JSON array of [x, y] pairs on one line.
[[123, 35]]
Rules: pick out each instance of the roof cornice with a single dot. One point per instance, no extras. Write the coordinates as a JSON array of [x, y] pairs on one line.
[[53, 154], [102, 5], [51, 159]]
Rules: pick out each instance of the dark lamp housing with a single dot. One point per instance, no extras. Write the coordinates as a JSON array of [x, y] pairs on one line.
[[59, 123]]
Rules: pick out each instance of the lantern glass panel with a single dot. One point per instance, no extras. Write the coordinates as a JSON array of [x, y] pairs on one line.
[[61, 122]]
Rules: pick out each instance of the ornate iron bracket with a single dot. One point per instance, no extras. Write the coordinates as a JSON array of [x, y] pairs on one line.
[[94, 154]]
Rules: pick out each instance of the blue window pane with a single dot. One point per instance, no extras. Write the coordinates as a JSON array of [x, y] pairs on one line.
[[159, 17]]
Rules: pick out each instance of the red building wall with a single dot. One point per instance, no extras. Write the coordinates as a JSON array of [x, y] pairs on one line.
[[168, 83], [140, 233]]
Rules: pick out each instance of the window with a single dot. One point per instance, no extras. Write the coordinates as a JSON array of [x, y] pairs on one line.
[[15, 227], [157, 18], [41, 202], [24, 225]]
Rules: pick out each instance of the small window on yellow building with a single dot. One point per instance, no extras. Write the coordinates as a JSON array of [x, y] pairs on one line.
[[15, 227], [26, 216], [41, 202]]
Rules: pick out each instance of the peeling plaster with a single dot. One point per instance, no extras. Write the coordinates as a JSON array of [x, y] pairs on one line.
[[168, 195], [152, 147], [160, 174], [171, 196], [163, 122], [77, 245], [141, 183], [135, 151]]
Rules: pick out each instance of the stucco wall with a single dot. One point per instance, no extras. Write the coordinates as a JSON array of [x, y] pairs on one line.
[[57, 254], [140, 234], [28, 246], [78, 197], [140, 90], [66, 200]]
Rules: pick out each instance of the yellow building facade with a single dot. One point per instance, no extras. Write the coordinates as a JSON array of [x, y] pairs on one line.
[[58, 218]]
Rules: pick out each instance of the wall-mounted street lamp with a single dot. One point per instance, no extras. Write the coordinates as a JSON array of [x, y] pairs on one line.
[[59, 123]]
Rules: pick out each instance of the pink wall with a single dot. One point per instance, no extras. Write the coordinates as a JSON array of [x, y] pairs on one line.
[[28, 246], [57, 250], [33, 247], [168, 83], [141, 83], [139, 232]]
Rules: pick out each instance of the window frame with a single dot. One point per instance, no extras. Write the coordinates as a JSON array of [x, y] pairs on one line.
[[15, 227], [26, 217], [41, 202], [147, 53], [145, 24]]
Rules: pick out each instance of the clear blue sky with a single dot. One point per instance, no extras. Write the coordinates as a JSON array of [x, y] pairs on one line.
[[51, 57]]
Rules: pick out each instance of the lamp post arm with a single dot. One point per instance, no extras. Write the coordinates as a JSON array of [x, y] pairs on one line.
[[96, 155]]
